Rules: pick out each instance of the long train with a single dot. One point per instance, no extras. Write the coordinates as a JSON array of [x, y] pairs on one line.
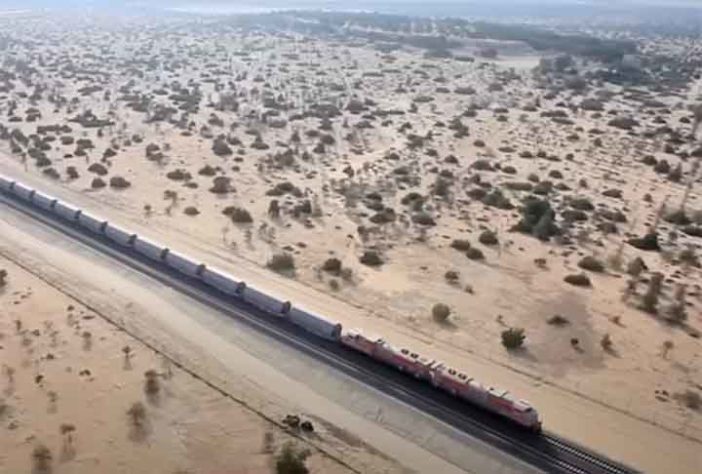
[[405, 360]]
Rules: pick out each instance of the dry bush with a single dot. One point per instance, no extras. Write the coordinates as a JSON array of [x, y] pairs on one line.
[[291, 460], [118, 182], [41, 459], [557, 320], [332, 265], [475, 254], [649, 302], [371, 258], [238, 215], [3, 277], [690, 399], [281, 262], [137, 414], [460, 244], [578, 280], [488, 237], [592, 264], [440, 312], [151, 383]]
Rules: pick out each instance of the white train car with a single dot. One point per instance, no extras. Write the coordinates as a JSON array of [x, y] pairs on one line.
[[265, 302], [22, 191], [315, 324], [6, 183], [92, 223], [183, 264], [223, 282], [44, 201], [120, 236], [150, 249], [66, 211]]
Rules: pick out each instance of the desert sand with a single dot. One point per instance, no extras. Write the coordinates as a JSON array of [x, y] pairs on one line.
[[70, 384], [396, 180]]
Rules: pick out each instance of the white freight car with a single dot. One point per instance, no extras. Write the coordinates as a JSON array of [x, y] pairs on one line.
[[44, 201], [6, 183], [66, 211], [119, 235], [22, 191], [315, 324], [183, 264], [92, 223], [223, 282], [150, 249], [265, 302]]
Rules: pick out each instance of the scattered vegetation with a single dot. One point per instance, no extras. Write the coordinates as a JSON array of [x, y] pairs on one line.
[[513, 338], [281, 263], [440, 312]]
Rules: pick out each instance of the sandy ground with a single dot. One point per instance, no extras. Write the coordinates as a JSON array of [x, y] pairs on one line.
[[65, 366], [633, 387]]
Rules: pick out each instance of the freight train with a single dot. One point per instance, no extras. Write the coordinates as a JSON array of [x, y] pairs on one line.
[[405, 360]]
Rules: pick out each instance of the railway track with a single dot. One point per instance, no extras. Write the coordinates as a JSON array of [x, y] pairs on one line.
[[546, 451]]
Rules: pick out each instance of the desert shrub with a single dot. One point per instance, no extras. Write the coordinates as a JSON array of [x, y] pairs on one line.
[[578, 279], [557, 320], [371, 258], [613, 193], [519, 186], [475, 254], [207, 170], [649, 302], [151, 383], [488, 237], [513, 338], [691, 399], [191, 211], [238, 215], [98, 168], [582, 204], [220, 148], [41, 459], [291, 460], [221, 185], [97, 183], [72, 173], [498, 200], [440, 312], [688, 256], [423, 218], [179, 175], [119, 182], [451, 276], [592, 264], [137, 414], [281, 262], [648, 242], [662, 167], [3, 277], [606, 342], [537, 219], [460, 244], [332, 265]]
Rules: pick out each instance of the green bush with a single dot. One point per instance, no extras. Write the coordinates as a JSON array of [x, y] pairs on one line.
[[513, 338]]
